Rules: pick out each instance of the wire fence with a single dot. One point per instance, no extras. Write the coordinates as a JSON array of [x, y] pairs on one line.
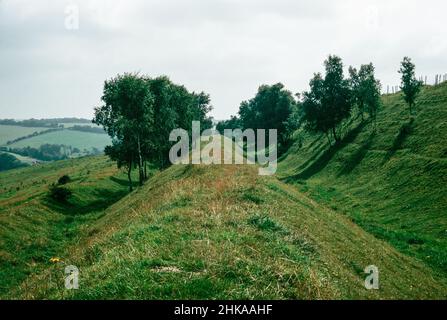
[[437, 79]]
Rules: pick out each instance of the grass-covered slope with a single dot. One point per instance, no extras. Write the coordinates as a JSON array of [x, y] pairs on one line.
[[8, 133], [392, 183], [222, 232], [226, 232], [33, 228]]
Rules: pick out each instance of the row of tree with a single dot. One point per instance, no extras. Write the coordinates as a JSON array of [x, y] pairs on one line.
[[332, 99], [87, 128], [44, 123], [139, 112], [271, 108], [45, 152], [34, 134], [8, 162]]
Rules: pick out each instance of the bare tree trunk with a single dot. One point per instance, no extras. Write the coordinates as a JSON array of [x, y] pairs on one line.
[[361, 110], [374, 122], [129, 176], [145, 170], [334, 133], [140, 162], [160, 160], [328, 139]]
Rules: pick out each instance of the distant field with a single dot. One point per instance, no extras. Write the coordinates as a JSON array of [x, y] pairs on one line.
[[76, 139], [8, 133], [69, 125]]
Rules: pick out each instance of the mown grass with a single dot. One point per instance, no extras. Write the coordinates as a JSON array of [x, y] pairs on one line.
[[392, 182]]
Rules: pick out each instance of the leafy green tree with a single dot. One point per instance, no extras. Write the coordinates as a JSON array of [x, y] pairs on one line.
[[167, 97], [139, 113], [202, 106], [328, 102], [410, 86], [127, 114], [233, 123], [365, 90], [315, 114], [59, 194], [294, 121], [64, 179], [247, 115], [124, 155], [46, 152], [174, 107], [8, 161], [269, 109]]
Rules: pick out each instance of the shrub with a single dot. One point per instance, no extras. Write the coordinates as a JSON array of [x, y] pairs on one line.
[[249, 195], [59, 194], [265, 223], [8, 161], [64, 179]]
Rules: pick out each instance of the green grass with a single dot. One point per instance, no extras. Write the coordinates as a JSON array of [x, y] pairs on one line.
[[392, 183], [76, 139], [191, 232], [33, 228], [224, 232], [9, 133]]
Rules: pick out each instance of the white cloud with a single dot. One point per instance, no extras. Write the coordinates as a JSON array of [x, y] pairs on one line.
[[224, 47]]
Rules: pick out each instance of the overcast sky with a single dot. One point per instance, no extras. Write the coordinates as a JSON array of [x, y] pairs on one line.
[[227, 48]]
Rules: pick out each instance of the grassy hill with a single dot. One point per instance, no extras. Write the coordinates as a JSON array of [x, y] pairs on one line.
[[224, 232], [82, 143], [190, 232], [9, 133], [392, 183], [19, 134], [33, 229]]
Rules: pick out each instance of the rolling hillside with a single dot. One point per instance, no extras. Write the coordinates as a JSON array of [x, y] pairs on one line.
[[190, 232], [72, 133], [224, 232], [9, 133], [32, 228], [392, 183], [76, 139]]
